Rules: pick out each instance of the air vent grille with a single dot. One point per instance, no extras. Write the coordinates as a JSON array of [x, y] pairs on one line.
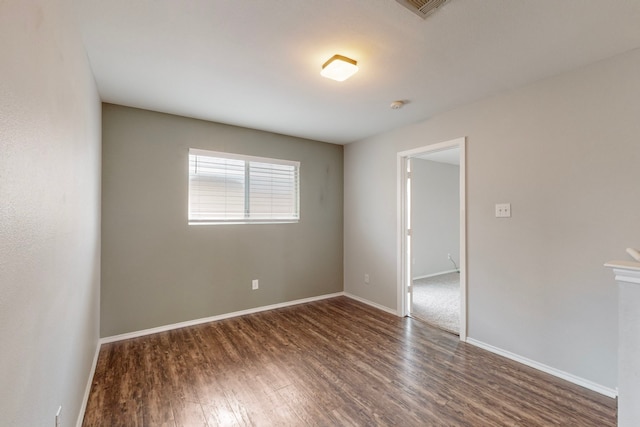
[[422, 8]]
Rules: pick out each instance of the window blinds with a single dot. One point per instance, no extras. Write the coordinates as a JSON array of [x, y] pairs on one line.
[[232, 188]]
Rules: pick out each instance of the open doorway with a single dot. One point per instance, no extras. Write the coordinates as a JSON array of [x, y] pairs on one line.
[[432, 235], [435, 238]]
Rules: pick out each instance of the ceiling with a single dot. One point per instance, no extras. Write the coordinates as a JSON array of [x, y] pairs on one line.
[[449, 155], [257, 63]]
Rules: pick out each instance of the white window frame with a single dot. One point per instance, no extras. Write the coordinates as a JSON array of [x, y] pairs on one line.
[[247, 217]]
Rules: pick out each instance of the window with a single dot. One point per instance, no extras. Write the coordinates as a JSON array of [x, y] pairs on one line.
[[231, 188]]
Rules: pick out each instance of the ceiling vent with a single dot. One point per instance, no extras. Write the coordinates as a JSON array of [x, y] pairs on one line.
[[422, 8]]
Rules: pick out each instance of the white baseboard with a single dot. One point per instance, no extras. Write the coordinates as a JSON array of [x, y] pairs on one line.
[[606, 391], [435, 274], [87, 390], [179, 325], [371, 303]]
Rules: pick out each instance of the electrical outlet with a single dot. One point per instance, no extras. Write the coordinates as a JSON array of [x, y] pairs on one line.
[[449, 257], [254, 284], [58, 414], [503, 210], [366, 279]]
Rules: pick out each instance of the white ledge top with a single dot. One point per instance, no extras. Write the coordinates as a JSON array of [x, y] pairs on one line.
[[626, 265]]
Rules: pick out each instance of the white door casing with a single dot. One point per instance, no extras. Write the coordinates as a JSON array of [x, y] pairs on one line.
[[403, 224]]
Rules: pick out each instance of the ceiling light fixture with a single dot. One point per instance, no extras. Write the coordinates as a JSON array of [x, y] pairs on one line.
[[339, 68]]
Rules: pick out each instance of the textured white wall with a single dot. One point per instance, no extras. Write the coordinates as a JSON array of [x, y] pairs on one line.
[[49, 214], [565, 153], [435, 216]]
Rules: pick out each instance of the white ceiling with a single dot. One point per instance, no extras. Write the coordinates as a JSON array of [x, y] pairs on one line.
[[450, 156], [256, 63]]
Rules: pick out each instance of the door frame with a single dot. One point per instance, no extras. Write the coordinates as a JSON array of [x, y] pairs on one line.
[[403, 268]]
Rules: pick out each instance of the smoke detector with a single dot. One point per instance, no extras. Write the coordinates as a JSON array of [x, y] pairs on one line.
[[422, 8], [396, 105]]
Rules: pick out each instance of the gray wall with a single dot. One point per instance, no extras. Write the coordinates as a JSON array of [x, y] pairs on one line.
[[158, 270], [435, 216], [565, 153], [49, 214]]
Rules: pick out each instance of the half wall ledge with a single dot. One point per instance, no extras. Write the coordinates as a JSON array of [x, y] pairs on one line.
[[627, 275]]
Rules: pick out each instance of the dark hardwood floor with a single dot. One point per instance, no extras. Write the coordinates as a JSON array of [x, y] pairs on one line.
[[335, 362]]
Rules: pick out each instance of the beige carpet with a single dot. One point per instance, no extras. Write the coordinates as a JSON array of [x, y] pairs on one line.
[[436, 300]]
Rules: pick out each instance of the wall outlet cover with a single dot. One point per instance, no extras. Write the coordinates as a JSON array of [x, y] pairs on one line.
[[503, 210]]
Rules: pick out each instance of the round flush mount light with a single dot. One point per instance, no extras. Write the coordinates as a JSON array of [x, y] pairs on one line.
[[396, 105], [339, 68]]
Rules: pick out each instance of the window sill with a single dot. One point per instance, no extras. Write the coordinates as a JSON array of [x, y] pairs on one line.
[[288, 221]]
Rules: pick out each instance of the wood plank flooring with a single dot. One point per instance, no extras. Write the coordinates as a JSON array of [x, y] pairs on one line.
[[335, 362]]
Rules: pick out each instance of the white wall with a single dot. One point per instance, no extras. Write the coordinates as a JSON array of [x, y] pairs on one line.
[[435, 216], [565, 152], [49, 214]]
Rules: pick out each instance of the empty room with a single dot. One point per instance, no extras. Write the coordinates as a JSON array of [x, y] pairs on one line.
[[319, 212]]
